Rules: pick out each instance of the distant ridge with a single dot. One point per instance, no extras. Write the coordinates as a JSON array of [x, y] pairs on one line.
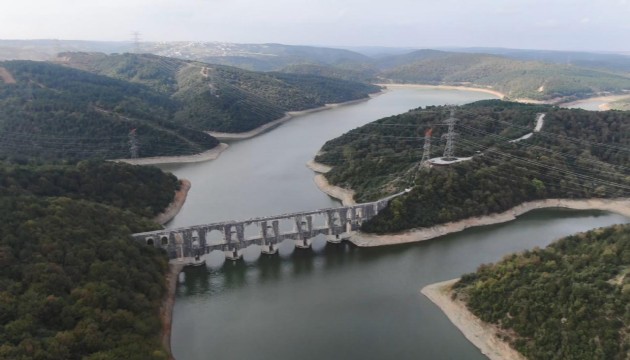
[[536, 74]]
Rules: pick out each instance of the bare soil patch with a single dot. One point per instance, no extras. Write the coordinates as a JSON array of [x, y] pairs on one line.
[[6, 76]]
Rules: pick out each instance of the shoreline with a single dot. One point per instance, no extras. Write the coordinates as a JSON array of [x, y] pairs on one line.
[[346, 196], [606, 99], [289, 115], [168, 302], [604, 106], [178, 202], [208, 155], [482, 335], [619, 206], [166, 309], [318, 167], [496, 93]]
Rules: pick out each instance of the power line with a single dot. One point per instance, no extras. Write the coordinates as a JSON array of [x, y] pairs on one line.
[[540, 148], [569, 138]]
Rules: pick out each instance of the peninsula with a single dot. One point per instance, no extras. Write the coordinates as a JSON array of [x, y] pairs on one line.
[[563, 301], [503, 179]]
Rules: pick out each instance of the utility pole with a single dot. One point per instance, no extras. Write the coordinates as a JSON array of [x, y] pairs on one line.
[[133, 144], [449, 150]]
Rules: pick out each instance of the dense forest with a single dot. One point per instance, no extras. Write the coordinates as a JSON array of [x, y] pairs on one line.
[[218, 97], [578, 154], [568, 301], [73, 285], [54, 112], [145, 191]]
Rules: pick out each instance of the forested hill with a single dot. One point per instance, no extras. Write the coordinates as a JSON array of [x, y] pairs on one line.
[[73, 284], [218, 97], [549, 81], [537, 74], [515, 78], [50, 111], [578, 154], [568, 301]]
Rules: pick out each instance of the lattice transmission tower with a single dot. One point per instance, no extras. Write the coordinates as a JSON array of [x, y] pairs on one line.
[[426, 151], [449, 150], [133, 144]]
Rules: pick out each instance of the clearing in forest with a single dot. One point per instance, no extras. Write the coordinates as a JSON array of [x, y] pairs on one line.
[[6, 76]]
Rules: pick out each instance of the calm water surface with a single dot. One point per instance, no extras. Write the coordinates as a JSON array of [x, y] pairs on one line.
[[267, 175], [335, 301]]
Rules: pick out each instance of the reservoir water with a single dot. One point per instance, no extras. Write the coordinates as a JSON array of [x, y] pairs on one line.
[[334, 301]]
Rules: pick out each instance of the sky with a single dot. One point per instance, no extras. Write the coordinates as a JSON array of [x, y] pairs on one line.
[[602, 25]]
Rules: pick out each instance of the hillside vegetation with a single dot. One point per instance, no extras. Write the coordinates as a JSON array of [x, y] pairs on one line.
[[538, 74], [622, 104], [535, 74], [579, 154], [523, 77], [217, 97], [568, 301], [605, 61], [515, 78], [73, 285], [54, 112]]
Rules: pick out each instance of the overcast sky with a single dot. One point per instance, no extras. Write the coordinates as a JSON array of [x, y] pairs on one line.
[[542, 24]]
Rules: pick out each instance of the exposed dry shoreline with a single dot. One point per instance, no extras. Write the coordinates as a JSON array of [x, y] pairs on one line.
[[288, 116], [481, 334], [619, 206], [173, 208], [346, 196], [496, 93], [606, 101], [166, 310], [211, 154]]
